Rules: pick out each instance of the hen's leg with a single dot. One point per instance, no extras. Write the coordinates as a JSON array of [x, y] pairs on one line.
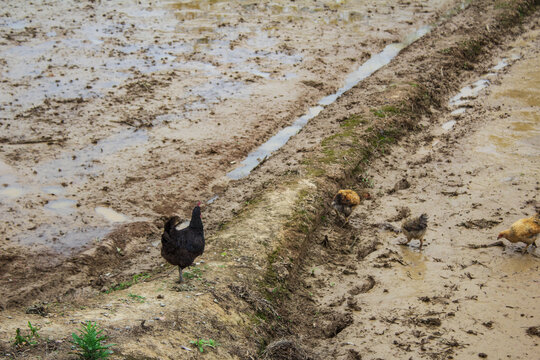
[[337, 213], [181, 279], [406, 242]]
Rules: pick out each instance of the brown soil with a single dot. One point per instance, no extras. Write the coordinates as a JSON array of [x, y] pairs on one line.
[[270, 286]]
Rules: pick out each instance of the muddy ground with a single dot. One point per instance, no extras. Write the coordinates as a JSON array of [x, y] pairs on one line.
[[363, 295], [474, 173], [125, 113], [114, 112]]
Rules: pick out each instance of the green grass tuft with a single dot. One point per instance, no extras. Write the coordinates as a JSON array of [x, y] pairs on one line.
[[202, 343], [89, 343], [28, 339], [126, 284]]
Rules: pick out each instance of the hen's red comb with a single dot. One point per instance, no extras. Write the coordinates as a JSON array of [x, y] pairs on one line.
[[198, 203]]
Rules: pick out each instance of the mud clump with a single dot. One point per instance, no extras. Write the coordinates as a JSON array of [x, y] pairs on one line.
[[400, 185], [534, 331], [260, 305], [353, 355], [285, 350], [338, 324], [368, 284], [430, 322], [366, 248], [37, 309], [403, 212], [479, 224]]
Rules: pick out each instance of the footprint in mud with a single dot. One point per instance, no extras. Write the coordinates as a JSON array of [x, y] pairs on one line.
[[336, 323], [367, 285]]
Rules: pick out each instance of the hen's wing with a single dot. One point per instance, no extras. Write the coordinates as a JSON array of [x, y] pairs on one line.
[[415, 224], [526, 228], [194, 242]]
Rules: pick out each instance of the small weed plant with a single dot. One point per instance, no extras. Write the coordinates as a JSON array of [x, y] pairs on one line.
[[89, 343], [201, 344], [126, 284], [194, 273], [136, 297], [28, 339]]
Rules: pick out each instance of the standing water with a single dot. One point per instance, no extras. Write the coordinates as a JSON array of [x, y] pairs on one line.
[[376, 62]]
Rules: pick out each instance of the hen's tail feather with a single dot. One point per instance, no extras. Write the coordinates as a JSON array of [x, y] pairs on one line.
[[416, 224], [171, 224], [423, 220]]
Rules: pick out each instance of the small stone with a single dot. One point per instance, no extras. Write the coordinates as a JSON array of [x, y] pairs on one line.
[[162, 304], [482, 355]]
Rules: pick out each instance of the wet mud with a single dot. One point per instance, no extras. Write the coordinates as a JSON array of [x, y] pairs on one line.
[[144, 107], [463, 295], [88, 176], [134, 111]]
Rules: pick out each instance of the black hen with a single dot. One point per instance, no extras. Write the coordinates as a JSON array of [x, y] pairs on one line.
[[181, 247]]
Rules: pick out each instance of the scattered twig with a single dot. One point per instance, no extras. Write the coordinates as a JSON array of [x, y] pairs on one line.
[[42, 140], [496, 243]]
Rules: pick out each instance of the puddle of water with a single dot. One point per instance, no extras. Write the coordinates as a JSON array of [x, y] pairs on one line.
[[214, 198], [526, 125], [22, 60], [13, 24], [85, 162], [458, 111], [213, 92], [469, 92], [274, 143], [416, 264], [490, 149], [518, 263], [9, 188], [501, 65], [12, 191], [111, 215], [448, 125], [289, 76], [261, 74], [5, 168], [530, 146], [510, 179], [53, 190], [61, 206], [64, 241], [500, 141], [376, 62], [524, 95]]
